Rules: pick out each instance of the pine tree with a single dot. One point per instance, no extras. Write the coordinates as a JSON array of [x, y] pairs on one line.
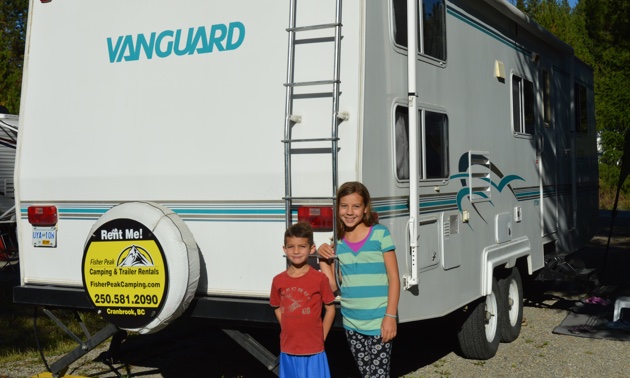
[[13, 16]]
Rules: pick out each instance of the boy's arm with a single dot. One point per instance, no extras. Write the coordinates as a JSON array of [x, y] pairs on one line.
[[329, 317], [278, 314]]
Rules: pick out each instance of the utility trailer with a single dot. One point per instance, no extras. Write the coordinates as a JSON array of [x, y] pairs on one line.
[[165, 146]]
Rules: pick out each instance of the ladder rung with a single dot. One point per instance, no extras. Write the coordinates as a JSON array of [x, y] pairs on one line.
[[314, 27], [307, 83], [310, 140], [308, 198]]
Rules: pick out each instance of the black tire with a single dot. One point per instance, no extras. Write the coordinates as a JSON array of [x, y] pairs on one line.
[[511, 294], [480, 334]]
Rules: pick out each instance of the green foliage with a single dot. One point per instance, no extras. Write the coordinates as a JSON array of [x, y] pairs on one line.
[[608, 28], [599, 32], [13, 16]]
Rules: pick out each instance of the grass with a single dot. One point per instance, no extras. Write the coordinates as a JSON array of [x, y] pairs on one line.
[[607, 196], [17, 335]]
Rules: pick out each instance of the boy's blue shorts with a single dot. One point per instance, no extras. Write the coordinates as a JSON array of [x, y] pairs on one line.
[[314, 365]]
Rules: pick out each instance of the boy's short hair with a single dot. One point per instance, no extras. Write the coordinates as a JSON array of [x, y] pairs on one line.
[[300, 230]]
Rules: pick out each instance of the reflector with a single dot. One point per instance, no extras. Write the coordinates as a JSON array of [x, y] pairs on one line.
[[42, 215], [320, 218]]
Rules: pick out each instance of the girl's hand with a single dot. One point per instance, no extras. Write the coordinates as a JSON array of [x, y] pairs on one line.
[[326, 251], [388, 329]]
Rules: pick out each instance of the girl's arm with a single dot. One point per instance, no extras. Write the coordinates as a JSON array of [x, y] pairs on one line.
[[326, 265], [329, 317], [389, 325]]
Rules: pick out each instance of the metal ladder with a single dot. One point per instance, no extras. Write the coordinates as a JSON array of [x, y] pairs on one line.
[[293, 119]]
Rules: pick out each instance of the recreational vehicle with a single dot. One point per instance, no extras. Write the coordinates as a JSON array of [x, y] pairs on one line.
[[165, 146]]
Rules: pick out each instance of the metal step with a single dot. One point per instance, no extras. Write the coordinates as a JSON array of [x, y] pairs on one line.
[[311, 83], [314, 27]]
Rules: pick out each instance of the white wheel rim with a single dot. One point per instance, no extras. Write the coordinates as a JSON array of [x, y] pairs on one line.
[[513, 300], [491, 317]]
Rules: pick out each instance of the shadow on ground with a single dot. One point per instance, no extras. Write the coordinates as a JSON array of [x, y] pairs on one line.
[[195, 348]]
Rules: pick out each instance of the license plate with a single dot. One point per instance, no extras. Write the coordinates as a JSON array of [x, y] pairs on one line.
[[44, 236]]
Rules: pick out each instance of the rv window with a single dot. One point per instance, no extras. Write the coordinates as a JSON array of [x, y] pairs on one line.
[[436, 145], [581, 114], [401, 130], [546, 84], [434, 149], [523, 110], [400, 22], [432, 39], [434, 27]]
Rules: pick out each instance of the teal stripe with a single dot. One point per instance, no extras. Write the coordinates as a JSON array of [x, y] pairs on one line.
[[487, 31], [376, 313], [524, 194], [437, 203], [367, 268], [229, 211], [364, 291], [384, 208], [356, 280], [91, 211]]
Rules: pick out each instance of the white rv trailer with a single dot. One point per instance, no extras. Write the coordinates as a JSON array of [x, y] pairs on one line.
[[165, 146]]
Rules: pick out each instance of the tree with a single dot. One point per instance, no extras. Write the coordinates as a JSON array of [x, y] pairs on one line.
[[13, 17], [608, 27]]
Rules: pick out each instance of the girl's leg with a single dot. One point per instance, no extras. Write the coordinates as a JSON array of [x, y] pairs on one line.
[[360, 351], [381, 357], [370, 353]]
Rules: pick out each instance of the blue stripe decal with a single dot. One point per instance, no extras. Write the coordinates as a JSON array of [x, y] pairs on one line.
[[482, 28], [228, 211], [385, 208]]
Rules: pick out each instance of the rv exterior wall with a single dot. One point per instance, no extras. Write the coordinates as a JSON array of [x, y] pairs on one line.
[[180, 104]]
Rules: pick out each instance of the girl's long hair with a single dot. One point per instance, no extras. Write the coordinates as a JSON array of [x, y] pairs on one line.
[[370, 217]]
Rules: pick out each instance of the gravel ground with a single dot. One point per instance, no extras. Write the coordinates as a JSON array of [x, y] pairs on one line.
[[421, 350]]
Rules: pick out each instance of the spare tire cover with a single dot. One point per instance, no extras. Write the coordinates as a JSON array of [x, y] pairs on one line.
[[140, 266]]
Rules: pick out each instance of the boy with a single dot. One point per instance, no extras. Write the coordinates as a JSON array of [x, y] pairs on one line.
[[297, 295]]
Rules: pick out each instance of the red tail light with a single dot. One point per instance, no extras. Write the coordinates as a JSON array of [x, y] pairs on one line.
[[320, 218], [42, 215]]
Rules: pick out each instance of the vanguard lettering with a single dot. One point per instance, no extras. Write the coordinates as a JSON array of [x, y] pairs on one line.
[[220, 37]]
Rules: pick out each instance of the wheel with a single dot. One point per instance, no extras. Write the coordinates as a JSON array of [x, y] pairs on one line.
[[511, 294], [479, 335]]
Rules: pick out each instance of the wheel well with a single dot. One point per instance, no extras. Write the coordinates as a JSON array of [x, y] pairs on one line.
[[521, 264]]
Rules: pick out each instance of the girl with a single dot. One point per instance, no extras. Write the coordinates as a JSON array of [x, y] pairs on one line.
[[370, 284]]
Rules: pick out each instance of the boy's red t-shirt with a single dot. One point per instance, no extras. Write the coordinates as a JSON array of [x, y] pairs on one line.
[[301, 299]]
